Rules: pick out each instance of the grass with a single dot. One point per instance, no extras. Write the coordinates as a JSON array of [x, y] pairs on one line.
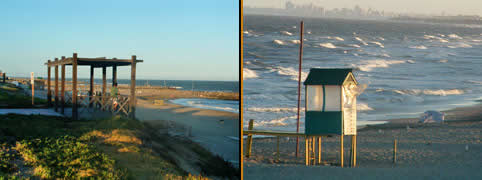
[[14, 97]]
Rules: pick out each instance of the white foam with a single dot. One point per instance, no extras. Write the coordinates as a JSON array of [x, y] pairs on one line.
[[274, 109], [454, 36], [438, 92], [418, 47], [245, 32], [275, 122], [361, 40], [443, 61], [354, 45], [460, 45], [431, 37], [381, 38], [378, 43], [328, 45], [278, 42], [289, 71], [338, 38], [286, 33], [309, 32], [363, 107], [295, 41], [369, 65], [248, 73]]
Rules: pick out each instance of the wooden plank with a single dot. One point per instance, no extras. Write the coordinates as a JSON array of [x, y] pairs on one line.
[[319, 150], [250, 138], [56, 87], [132, 97], [273, 133], [49, 93], [114, 74], [62, 88], [74, 87]]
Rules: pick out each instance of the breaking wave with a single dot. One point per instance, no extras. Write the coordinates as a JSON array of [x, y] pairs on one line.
[[295, 41], [418, 47], [460, 45], [361, 41], [289, 71], [278, 42], [454, 36], [363, 107], [248, 73], [369, 65], [275, 122], [328, 45], [439, 92], [274, 109], [378, 43], [286, 33]]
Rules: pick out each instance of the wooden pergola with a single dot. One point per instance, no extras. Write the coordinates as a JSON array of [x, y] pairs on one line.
[[103, 63]]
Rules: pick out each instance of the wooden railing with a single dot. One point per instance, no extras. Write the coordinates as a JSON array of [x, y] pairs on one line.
[[102, 103]]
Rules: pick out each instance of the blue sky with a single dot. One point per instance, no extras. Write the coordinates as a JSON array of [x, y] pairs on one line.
[[178, 40]]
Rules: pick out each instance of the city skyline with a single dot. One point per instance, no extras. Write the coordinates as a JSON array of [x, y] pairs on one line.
[[426, 7]]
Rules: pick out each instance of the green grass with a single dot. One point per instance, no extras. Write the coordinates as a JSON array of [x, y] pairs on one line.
[[13, 97]]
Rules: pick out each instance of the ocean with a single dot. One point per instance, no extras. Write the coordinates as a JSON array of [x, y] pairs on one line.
[[224, 86], [408, 68]]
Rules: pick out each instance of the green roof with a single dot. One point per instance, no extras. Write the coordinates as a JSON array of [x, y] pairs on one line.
[[319, 76]]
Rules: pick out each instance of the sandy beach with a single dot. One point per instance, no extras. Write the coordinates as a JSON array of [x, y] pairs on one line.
[[451, 150]]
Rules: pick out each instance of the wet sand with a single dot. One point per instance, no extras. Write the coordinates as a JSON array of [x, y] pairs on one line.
[[451, 150]]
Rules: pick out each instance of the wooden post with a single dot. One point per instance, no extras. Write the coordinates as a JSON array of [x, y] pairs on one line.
[[306, 151], [91, 90], [354, 151], [277, 148], [341, 150], [104, 83], [313, 149], [319, 150], [394, 151], [56, 85], [62, 87], [49, 93], [250, 139], [132, 100], [74, 87], [114, 74], [4, 77], [299, 88]]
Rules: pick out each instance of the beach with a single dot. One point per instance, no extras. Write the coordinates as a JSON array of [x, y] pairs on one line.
[[450, 150]]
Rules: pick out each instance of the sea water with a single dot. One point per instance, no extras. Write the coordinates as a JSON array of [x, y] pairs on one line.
[[409, 68]]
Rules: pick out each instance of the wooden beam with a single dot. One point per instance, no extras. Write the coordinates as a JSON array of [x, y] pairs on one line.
[[319, 150], [274, 133], [114, 74], [104, 84], [74, 87], [250, 139], [62, 88], [91, 89], [49, 93], [341, 150], [306, 151], [132, 102], [56, 86]]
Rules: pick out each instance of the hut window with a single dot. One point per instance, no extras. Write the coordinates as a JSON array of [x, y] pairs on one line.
[[323, 98]]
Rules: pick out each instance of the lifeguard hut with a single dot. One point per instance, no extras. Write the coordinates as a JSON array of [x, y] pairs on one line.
[[330, 96]]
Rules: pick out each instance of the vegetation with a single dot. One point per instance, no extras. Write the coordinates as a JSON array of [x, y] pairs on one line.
[[14, 97]]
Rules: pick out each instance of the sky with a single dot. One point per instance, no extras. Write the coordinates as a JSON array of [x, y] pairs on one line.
[[453, 7], [178, 40]]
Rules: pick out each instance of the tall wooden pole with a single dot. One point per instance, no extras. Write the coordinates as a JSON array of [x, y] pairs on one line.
[[91, 90], [56, 85], [341, 150], [299, 88], [114, 74], [74, 87], [62, 87], [132, 101], [49, 93], [104, 83], [250, 138]]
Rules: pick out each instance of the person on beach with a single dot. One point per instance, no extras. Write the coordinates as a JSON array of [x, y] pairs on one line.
[[114, 91]]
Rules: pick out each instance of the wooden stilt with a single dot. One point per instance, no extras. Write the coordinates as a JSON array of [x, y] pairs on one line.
[[62, 87], [306, 151], [114, 74], [91, 88], [277, 148], [313, 149], [354, 151], [341, 151], [49, 93], [74, 87], [56, 85], [394, 151], [319, 150], [104, 84], [132, 100], [250, 139]]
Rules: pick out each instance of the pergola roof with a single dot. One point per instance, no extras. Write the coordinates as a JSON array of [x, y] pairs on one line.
[[319, 76], [96, 62]]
